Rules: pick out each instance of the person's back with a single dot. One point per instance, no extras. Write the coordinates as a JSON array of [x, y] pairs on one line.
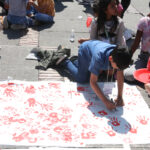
[[48, 7], [17, 7]]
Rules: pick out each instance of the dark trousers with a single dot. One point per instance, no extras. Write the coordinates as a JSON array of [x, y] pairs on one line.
[[125, 5]]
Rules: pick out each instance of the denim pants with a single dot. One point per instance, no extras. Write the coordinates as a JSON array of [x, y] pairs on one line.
[[20, 20], [41, 17], [78, 70], [141, 62]]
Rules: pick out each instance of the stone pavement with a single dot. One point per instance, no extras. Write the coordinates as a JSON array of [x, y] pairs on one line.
[[16, 45]]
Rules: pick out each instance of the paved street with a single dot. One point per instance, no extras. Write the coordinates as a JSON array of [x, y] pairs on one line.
[[16, 45]]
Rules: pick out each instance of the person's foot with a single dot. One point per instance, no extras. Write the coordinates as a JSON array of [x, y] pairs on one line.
[[5, 22], [18, 26], [61, 59]]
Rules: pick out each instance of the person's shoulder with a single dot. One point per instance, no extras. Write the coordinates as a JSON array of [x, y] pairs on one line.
[[120, 20], [144, 19]]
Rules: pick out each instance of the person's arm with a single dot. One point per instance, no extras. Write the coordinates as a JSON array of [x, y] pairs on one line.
[[136, 41], [83, 40], [99, 93], [120, 81], [6, 4]]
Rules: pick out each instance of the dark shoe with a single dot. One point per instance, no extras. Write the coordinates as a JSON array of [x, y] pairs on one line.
[[73, 58], [61, 59]]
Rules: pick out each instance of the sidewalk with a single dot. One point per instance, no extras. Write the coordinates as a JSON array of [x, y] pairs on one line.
[[15, 46]]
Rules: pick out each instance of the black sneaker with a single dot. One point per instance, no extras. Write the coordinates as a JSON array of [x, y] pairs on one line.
[[61, 59], [73, 58]]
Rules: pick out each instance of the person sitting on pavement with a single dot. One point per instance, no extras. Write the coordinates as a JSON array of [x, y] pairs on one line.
[[143, 37], [17, 15], [94, 56], [107, 26], [44, 12]]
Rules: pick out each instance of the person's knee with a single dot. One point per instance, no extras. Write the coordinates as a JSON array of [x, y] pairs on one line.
[[128, 76]]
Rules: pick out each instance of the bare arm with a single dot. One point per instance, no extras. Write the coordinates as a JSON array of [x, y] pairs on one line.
[[99, 93], [120, 81], [136, 41]]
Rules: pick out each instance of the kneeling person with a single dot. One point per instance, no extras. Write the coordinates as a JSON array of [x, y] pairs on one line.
[[94, 56]]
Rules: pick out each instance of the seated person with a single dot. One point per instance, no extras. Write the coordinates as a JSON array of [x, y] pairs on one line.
[[17, 14], [94, 56], [43, 12]]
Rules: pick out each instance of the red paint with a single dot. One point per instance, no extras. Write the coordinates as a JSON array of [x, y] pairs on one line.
[[103, 113], [142, 120], [9, 92], [58, 129], [20, 137], [131, 129], [31, 102], [109, 131], [32, 140], [79, 88], [67, 136], [114, 121], [88, 135], [30, 89], [54, 85], [34, 131]]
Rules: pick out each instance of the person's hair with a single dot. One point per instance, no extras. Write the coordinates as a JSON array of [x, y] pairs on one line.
[[122, 57], [95, 7], [102, 16]]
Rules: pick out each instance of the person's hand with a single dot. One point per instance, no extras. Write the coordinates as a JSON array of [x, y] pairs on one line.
[[110, 105], [81, 40], [119, 101]]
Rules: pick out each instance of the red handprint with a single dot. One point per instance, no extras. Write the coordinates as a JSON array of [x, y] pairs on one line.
[[9, 92], [131, 129], [30, 89], [103, 113], [31, 102], [88, 135], [67, 136], [54, 85], [142, 120], [109, 131], [65, 110], [114, 121]]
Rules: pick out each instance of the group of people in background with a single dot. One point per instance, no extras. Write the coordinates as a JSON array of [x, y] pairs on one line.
[[27, 13]]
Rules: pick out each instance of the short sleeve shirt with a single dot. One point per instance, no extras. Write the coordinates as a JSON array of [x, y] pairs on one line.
[[117, 37], [144, 26], [17, 7], [95, 55]]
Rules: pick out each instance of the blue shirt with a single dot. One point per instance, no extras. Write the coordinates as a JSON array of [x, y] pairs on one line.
[[95, 55]]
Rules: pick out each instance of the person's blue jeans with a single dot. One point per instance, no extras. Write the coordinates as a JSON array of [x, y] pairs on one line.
[[41, 17], [20, 20], [78, 70]]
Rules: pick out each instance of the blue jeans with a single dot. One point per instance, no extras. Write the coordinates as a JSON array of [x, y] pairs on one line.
[[41, 17], [78, 70], [20, 20]]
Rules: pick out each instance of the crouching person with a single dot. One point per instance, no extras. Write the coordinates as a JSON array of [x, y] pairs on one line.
[[94, 56], [17, 15]]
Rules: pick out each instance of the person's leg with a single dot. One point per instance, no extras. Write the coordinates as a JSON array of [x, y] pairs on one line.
[[19, 20], [141, 62], [78, 74], [125, 4], [43, 18]]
